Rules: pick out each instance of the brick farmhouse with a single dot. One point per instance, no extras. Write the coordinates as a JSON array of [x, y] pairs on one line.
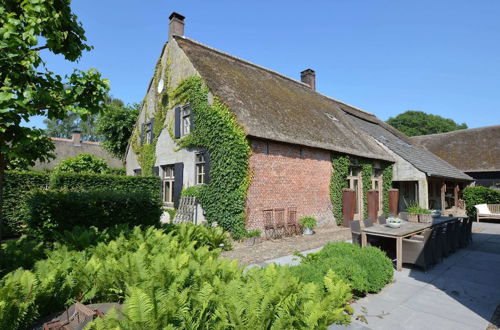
[[293, 132]]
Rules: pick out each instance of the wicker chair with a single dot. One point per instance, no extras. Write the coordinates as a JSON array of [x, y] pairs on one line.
[[368, 222], [418, 251], [437, 241], [356, 232], [382, 220], [451, 229]]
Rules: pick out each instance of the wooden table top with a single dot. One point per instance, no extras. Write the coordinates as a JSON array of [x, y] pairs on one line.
[[406, 229]]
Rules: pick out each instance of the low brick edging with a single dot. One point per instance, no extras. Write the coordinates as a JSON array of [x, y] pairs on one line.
[[271, 249]]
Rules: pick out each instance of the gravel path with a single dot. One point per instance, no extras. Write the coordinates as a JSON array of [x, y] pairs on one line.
[[272, 249]]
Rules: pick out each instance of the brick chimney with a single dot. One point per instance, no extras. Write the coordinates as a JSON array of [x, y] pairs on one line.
[[76, 137], [176, 26], [308, 76]]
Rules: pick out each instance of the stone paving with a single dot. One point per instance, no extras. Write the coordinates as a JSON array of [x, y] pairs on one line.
[[272, 249], [462, 292]]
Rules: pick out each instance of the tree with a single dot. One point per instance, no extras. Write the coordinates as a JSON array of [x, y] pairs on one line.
[[29, 88], [63, 128], [83, 163], [115, 124], [414, 123]]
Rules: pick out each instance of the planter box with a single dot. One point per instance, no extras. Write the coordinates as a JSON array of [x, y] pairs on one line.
[[425, 218], [413, 217], [252, 241]]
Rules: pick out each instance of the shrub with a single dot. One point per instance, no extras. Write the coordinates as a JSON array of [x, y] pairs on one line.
[[479, 195], [18, 184], [192, 191], [166, 282], [83, 163], [49, 211], [366, 269], [308, 222]]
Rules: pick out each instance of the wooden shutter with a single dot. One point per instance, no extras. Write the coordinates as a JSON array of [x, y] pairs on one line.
[[155, 171], [207, 166], [178, 175], [177, 123], [141, 137], [151, 132]]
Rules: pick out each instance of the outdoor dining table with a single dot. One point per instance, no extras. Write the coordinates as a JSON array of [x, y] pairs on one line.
[[407, 229]]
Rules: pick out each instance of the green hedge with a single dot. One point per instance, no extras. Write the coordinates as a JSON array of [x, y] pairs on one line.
[[49, 211], [18, 184], [479, 195], [366, 269]]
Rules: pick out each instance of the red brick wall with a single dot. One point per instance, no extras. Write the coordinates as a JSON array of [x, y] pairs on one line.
[[286, 176]]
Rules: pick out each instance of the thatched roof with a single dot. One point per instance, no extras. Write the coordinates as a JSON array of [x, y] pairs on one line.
[[66, 148], [471, 150], [271, 106], [402, 145]]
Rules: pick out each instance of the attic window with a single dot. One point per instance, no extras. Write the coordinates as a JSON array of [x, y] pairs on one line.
[[332, 117], [160, 86]]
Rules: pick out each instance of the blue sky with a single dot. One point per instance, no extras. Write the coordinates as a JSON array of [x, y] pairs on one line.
[[441, 57]]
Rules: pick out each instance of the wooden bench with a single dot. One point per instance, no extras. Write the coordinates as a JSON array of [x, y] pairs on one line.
[[487, 211]]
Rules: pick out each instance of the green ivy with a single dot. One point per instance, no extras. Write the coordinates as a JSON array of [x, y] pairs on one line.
[[217, 131], [366, 178], [338, 182], [386, 185]]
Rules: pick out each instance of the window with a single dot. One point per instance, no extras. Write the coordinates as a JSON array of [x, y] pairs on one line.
[[137, 172], [354, 182], [186, 121], [167, 181], [200, 168], [148, 129], [377, 185]]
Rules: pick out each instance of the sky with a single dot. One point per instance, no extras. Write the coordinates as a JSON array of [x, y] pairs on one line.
[[385, 57]]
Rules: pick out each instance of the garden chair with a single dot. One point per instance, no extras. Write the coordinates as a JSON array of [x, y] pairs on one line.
[[279, 222], [487, 211], [469, 230], [451, 229], [292, 225], [382, 220], [356, 232], [418, 251], [403, 216], [437, 241], [269, 229], [462, 237], [443, 242], [368, 222]]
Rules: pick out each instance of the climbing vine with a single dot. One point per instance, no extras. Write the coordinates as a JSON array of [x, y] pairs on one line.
[[217, 131], [146, 152], [341, 164], [366, 178], [338, 182], [386, 185]]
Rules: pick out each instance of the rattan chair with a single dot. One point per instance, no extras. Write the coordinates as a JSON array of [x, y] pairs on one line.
[[451, 229], [368, 222], [356, 232], [382, 220], [437, 242], [418, 251]]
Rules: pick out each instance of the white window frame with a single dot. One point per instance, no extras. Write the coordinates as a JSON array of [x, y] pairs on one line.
[[200, 163], [147, 131], [167, 181], [185, 121]]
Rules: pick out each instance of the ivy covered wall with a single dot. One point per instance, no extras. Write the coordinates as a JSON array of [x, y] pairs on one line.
[[341, 164], [215, 130]]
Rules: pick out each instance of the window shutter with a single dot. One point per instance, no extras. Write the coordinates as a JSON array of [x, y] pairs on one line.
[[178, 175], [151, 132], [177, 123], [155, 171], [191, 120], [141, 138], [207, 166]]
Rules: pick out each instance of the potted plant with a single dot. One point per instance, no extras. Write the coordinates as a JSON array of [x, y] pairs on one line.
[[253, 237], [308, 223], [413, 212], [425, 216]]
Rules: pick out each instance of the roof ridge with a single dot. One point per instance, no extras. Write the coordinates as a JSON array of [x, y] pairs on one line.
[[270, 71], [458, 131]]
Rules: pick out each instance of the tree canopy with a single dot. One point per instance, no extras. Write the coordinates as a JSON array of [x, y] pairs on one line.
[[28, 87], [64, 128], [414, 123], [115, 124]]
